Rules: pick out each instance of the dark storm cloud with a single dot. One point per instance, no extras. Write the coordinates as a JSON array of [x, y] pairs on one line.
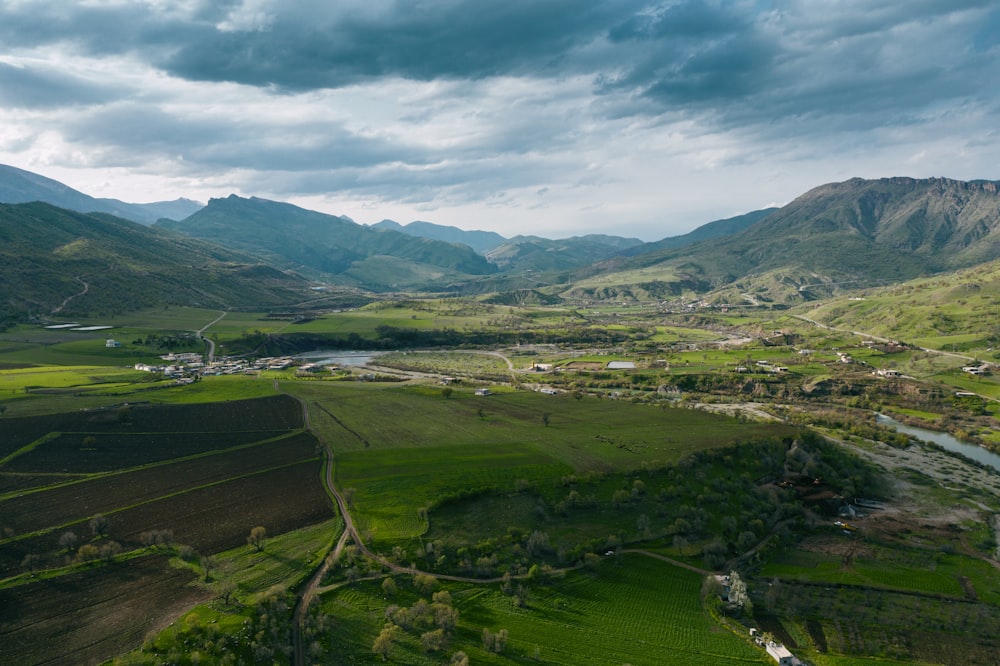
[[314, 48], [737, 61], [35, 87], [874, 61], [133, 131]]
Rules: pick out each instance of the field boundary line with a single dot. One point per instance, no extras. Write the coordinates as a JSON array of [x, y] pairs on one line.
[[670, 560], [49, 530], [140, 468], [28, 448]]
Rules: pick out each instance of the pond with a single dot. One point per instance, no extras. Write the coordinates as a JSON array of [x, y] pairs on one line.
[[338, 357], [944, 440]]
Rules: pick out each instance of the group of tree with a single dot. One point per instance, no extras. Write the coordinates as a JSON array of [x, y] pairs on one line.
[[434, 622]]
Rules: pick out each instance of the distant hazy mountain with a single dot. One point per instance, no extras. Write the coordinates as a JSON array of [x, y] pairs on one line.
[[541, 254], [20, 186], [716, 229], [851, 234], [480, 241], [308, 241], [108, 264]]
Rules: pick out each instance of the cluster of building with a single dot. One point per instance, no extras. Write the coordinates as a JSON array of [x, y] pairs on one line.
[[186, 366]]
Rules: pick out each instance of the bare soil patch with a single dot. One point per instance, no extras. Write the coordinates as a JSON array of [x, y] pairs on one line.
[[94, 615]]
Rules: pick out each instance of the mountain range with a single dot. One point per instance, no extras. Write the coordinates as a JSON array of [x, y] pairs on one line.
[[835, 237], [20, 186]]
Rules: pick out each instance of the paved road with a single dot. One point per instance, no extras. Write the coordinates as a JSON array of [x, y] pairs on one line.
[[210, 343]]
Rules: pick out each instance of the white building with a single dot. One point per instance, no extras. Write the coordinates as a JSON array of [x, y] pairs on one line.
[[781, 654]]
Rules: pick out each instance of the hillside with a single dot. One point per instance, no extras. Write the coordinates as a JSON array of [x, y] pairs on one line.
[[845, 235], [532, 253], [480, 241], [330, 246], [955, 311], [20, 186], [708, 231], [56, 260]]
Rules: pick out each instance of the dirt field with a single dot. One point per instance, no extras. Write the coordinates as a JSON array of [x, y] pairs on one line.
[[206, 473], [90, 616]]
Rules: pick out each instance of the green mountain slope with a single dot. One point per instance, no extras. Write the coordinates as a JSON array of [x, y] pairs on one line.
[[846, 235], [103, 264], [958, 310], [336, 247], [532, 253]]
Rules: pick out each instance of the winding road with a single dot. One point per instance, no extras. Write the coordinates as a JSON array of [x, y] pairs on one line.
[[210, 343]]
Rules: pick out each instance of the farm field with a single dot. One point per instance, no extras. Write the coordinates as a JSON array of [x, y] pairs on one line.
[[632, 610], [422, 417], [196, 476], [88, 616]]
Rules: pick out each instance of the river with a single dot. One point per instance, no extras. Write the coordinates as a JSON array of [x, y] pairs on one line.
[[944, 440], [337, 357]]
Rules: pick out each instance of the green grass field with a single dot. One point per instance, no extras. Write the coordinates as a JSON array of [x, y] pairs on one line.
[[634, 610]]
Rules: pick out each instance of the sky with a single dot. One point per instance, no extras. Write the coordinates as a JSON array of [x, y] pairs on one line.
[[548, 117]]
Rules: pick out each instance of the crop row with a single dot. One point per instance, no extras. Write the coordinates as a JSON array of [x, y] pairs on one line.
[[638, 612], [78, 618], [209, 518], [279, 412], [84, 453], [62, 505]]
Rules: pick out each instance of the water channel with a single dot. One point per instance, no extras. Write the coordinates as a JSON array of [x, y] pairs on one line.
[[944, 440]]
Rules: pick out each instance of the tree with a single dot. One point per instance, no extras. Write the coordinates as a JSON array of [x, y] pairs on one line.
[[546, 418], [738, 596], [257, 537], [389, 587], [459, 659], [494, 642], [99, 525], [539, 543], [447, 391], [3, 409], [383, 642], [348, 494], [434, 640], [87, 553], [208, 565], [68, 541], [226, 589], [424, 583], [110, 550]]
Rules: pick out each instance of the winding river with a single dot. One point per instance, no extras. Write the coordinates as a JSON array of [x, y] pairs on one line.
[[944, 440]]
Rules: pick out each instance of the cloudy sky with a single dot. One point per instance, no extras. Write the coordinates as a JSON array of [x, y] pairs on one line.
[[552, 117]]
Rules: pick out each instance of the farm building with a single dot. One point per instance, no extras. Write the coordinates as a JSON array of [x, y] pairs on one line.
[[482, 391], [621, 365], [781, 654], [111, 344]]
